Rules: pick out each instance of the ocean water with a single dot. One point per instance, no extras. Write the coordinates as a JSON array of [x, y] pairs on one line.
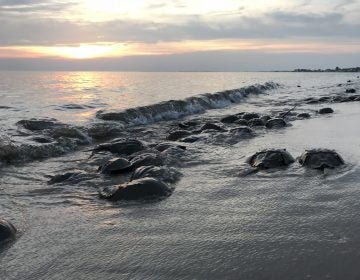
[[221, 221]]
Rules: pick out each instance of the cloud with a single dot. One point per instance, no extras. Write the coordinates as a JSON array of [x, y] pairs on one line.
[[277, 24], [16, 2], [9, 8], [30, 23]]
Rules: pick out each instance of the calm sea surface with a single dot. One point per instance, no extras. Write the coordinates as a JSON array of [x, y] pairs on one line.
[[290, 223]]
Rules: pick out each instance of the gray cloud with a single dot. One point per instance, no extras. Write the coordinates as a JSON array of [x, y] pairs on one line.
[[28, 22], [278, 24], [345, 3], [313, 19], [9, 8], [41, 32], [16, 2]]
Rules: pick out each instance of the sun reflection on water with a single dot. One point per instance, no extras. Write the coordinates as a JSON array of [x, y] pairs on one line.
[[77, 96]]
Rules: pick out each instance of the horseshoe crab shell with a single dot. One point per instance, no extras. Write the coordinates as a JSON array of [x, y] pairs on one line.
[[320, 159], [271, 158]]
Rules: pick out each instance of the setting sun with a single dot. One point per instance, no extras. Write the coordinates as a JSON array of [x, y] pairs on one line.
[[83, 51]]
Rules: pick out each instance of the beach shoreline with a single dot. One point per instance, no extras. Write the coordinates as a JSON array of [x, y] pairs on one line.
[[219, 222]]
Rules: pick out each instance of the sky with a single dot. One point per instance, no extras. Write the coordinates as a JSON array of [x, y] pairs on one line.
[[179, 35]]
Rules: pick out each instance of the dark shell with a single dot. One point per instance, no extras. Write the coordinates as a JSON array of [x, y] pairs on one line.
[[42, 139], [287, 113], [249, 116], [7, 230], [213, 126], [320, 159], [256, 122], [150, 149], [265, 118], [147, 171], [105, 130], [312, 101], [72, 177], [229, 119], [353, 97], [146, 160], [241, 122], [177, 135], [338, 99], [271, 158], [164, 146], [145, 188], [116, 166], [275, 123], [303, 116], [242, 132], [350, 90], [188, 124], [39, 124], [326, 111], [324, 98], [159, 172], [65, 176], [121, 146], [70, 132]]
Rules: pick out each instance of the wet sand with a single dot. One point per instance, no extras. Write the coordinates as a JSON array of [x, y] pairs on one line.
[[283, 223]]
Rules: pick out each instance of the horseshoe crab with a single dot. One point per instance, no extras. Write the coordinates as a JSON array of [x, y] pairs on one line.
[[271, 158], [326, 110], [145, 188], [177, 135], [275, 123], [116, 166], [320, 159], [7, 230], [120, 146]]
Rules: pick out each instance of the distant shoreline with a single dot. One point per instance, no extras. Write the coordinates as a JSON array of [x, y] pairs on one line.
[[340, 70], [337, 69]]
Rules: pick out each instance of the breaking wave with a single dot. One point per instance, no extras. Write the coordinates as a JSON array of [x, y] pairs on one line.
[[174, 109]]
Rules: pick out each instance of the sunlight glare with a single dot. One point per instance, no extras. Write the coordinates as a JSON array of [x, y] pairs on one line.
[[84, 51], [114, 6]]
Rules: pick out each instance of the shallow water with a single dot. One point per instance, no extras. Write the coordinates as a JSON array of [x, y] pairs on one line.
[[290, 223]]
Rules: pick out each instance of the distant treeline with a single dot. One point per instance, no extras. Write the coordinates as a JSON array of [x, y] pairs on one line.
[[337, 69]]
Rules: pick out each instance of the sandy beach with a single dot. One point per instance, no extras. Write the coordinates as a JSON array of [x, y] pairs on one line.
[[221, 219]]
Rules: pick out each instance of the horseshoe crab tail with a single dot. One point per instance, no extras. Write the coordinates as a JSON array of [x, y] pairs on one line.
[[286, 113]]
